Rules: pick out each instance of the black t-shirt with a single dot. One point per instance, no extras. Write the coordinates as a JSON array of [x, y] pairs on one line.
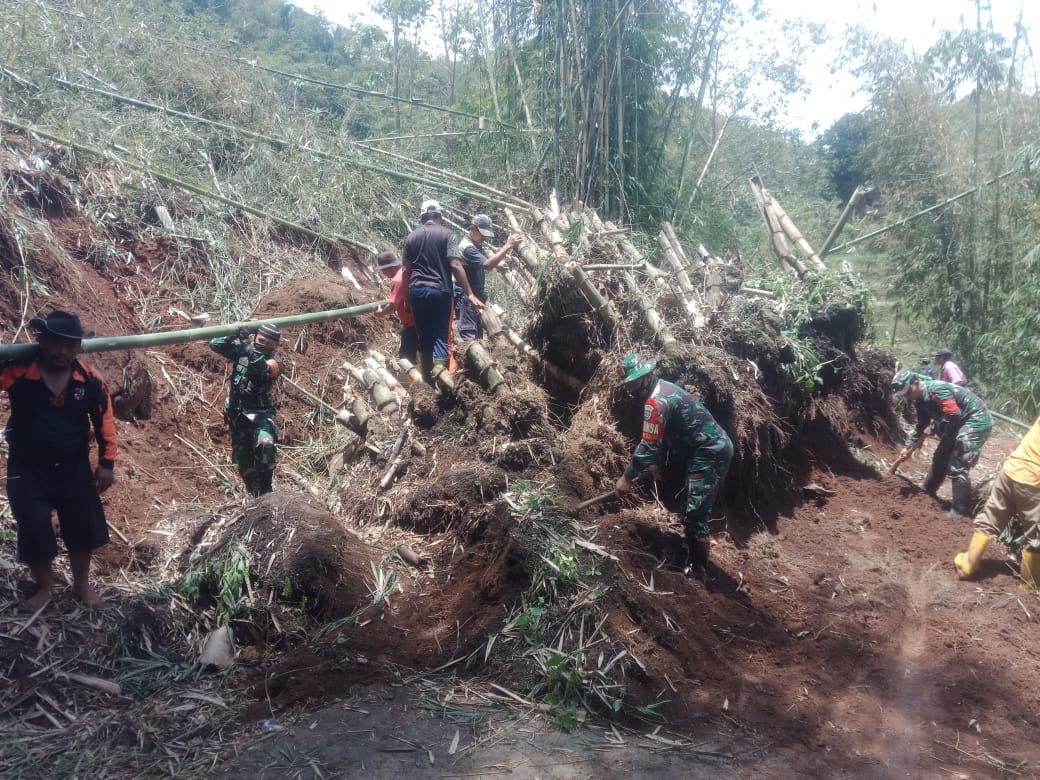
[[428, 249], [474, 259]]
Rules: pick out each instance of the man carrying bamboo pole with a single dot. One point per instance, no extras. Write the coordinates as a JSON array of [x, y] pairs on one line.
[[55, 399], [249, 409], [431, 258], [963, 423], [477, 264], [675, 421]]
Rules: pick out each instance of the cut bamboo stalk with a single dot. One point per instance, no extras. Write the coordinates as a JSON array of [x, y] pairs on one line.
[[654, 321], [112, 343], [361, 413], [754, 291], [678, 269], [490, 377], [777, 238], [443, 378], [396, 458], [527, 250], [493, 326], [409, 370], [388, 379], [846, 213], [792, 232], [669, 232], [342, 416], [385, 400]]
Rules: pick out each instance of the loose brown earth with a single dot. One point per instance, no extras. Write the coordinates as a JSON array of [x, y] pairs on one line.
[[833, 641]]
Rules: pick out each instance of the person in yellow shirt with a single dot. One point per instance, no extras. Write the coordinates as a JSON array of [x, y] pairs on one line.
[[1016, 492]]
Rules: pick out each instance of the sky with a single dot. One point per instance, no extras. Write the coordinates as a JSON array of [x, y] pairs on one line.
[[917, 22]]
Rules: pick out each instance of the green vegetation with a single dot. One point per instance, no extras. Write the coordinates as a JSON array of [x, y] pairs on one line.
[[222, 577]]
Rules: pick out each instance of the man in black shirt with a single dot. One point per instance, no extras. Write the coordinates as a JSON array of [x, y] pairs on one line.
[[431, 259], [477, 263]]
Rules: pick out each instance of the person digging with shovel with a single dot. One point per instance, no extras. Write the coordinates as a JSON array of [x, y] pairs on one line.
[[676, 422], [962, 423]]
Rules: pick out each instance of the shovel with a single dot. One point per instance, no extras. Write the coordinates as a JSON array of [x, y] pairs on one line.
[[596, 500]]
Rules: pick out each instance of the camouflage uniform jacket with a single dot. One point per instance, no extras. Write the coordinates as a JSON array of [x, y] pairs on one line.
[[673, 420], [951, 406], [252, 377]]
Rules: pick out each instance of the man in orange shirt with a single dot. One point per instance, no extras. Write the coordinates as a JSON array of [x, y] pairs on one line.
[[1016, 492], [389, 266], [55, 399]]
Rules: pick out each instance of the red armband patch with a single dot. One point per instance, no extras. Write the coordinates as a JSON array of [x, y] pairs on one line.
[[653, 426]]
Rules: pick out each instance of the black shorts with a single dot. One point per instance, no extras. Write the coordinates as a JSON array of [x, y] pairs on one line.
[[36, 491]]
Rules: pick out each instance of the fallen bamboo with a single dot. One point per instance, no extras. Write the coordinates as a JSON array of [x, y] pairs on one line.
[[527, 250], [388, 378], [395, 460], [294, 227], [595, 298], [678, 269], [777, 237], [673, 240], [792, 232], [654, 321], [140, 341], [409, 370], [490, 377], [550, 368], [846, 213], [385, 400], [924, 212], [342, 416]]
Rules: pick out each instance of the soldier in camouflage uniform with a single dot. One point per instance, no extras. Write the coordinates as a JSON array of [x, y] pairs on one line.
[[675, 421], [249, 410], [962, 423]]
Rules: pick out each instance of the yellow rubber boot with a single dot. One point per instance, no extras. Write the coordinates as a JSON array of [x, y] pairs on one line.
[[967, 563], [1030, 570]]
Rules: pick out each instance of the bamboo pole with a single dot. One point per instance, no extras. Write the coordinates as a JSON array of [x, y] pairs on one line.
[[395, 459], [409, 370], [679, 270], [388, 379], [669, 232], [527, 250], [846, 213], [550, 368], [484, 365], [668, 343], [792, 232], [595, 298], [112, 343], [342, 416], [329, 238], [924, 212], [777, 237], [386, 401]]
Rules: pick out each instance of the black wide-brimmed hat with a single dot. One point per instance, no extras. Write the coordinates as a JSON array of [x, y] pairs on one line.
[[61, 323]]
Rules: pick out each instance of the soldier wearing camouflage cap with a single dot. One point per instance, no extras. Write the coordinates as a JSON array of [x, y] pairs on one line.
[[249, 409], [675, 421]]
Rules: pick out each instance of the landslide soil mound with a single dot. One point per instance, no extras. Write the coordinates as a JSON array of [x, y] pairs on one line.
[[831, 634]]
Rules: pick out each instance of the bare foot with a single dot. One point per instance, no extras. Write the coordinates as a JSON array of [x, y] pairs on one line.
[[88, 596], [38, 599]]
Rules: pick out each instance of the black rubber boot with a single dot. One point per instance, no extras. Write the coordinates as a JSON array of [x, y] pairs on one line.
[[962, 498], [426, 367], [940, 465], [264, 482]]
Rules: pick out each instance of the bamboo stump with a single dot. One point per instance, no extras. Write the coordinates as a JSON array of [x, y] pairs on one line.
[[490, 377]]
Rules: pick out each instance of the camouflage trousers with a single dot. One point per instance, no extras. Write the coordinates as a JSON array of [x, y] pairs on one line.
[[954, 458], [705, 471], [253, 439]]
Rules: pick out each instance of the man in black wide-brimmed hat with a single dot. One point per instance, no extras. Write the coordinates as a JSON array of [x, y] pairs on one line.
[[55, 400]]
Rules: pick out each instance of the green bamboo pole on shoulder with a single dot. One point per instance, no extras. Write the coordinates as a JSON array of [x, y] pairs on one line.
[[143, 340]]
